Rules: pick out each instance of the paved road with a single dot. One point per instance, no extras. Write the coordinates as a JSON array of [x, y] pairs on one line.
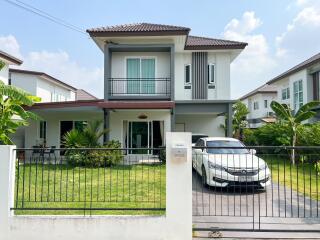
[[278, 207]]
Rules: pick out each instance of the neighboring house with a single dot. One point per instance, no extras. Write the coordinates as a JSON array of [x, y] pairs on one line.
[[40, 84], [157, 78], [258, 102], [8, 60], [300, 84], [84, 95]]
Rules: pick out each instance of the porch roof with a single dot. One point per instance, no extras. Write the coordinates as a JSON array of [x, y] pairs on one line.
[[100, 103]]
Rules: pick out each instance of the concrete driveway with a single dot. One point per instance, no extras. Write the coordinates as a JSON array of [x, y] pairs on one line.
[[279, 209]]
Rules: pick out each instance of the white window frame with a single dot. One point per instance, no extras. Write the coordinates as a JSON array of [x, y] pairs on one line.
[[286, 93], [296, 95], [190, 75], [265, 103], [45, 130], [256, 105], [210, 74]]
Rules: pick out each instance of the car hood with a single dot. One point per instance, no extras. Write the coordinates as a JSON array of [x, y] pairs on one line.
[[236, 160]]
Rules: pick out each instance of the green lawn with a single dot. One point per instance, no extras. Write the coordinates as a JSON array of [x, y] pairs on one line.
[[300, 177], [49, 186]]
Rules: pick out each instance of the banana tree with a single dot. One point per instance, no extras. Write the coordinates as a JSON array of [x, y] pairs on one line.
[[294, 119], [12, 113]]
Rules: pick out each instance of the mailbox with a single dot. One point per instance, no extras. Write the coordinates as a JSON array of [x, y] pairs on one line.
[[179, 152]]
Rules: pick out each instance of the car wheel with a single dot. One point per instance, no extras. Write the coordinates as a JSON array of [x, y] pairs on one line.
[[204, 177]]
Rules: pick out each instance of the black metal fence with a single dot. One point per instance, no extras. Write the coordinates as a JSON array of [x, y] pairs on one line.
[[256, 189], [140, 87], [89, 181]]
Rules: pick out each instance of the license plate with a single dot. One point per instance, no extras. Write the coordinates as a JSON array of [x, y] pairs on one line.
[[245, 179]]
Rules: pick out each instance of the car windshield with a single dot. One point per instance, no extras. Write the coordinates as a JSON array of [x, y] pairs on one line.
[[225, 143], [195, 138]]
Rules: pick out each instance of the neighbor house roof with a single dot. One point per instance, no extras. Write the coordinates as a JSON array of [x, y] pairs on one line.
[[44, 76], [101, 103], [84, 95], [150, 29], [263, 89], [202, 43], [307, 63], [145, 29], [10, 58]]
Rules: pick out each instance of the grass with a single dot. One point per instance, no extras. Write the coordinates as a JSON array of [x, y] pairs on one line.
[[301, 177], [50, 186]]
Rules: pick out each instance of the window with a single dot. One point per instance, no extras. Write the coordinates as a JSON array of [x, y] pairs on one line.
[[297, 94], [211, 73], [187, 74], [265, 103], [256, 105], [43, 130], [285, 93]]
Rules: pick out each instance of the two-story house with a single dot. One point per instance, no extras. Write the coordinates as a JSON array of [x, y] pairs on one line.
[[300, 84], [258, 103], [295, 87], [157, 78]]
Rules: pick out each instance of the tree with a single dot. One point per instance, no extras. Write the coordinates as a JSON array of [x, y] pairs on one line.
[[294, 119], [12, 113], [239, 122]]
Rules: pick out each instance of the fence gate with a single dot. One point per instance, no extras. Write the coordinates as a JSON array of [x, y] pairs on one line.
[[255, 189]]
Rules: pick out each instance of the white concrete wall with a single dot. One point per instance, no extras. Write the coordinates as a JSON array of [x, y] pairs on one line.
[[40, 87], [4, 74], [117, 117], [175, 225], [222, 63], [25, 82], [262, 111], [53, 126], [206, 124]]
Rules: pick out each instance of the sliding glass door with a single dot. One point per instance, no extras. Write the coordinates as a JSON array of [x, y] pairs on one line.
[[141, 75], [148, 134]]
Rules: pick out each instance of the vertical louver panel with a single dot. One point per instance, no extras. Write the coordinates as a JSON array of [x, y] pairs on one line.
[[199, 75]]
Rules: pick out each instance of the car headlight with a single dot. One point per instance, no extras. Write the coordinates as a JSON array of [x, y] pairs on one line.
[[215, 166], [263, 167]]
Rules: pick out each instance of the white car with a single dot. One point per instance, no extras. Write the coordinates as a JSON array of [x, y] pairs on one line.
[[225, 162], [196, 137]]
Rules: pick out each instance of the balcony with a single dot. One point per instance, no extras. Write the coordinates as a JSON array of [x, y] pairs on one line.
[[139, 88]]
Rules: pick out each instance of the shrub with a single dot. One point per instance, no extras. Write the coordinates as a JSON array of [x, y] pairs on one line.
[[249, 137], [162, 155], [96, 157]]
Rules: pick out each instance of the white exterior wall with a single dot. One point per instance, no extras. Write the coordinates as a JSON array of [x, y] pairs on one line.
[[117, 118], [206, 124], [222, 63], [53, 126], [4, 74], [262, 111], [40, 87]]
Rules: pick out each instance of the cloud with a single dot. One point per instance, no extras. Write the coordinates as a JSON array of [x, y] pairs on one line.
[[57, 64], [301, 38], [10, 45], [255, 63]]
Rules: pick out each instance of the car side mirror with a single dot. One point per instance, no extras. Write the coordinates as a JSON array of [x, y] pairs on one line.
[[253, 151]]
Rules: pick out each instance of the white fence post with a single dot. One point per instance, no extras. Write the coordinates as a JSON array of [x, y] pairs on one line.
[[7, 173], [179, 185]]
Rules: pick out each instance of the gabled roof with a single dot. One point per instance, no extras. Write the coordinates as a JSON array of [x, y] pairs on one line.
[[84, 95], [202, 43], [10, 58], [307, 63], [263, 89], [44, 76], [145, 29]]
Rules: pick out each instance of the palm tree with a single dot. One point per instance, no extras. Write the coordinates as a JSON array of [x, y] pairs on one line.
[[12, 113], [294, 119]]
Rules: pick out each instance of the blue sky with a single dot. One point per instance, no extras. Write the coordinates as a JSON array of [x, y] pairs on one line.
[[280, 34]]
